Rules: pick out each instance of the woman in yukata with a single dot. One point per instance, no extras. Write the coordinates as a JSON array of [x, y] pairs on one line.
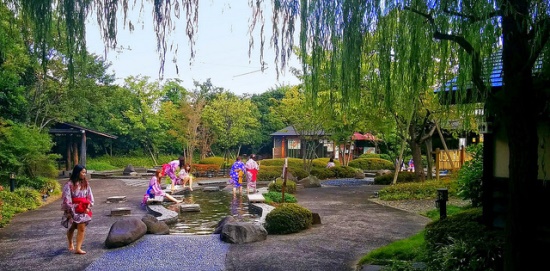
[[77, 201], [237, 173], [171, 170], [185, 177], [156, 190]]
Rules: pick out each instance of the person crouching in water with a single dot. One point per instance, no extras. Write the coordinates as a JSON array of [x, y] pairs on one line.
[[237, 173], [185, 177], [155, 189]]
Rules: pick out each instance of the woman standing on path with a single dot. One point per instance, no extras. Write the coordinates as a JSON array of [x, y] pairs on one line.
[[77, 201], [237, 173]]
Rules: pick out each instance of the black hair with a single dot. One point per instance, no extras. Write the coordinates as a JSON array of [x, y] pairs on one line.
[[75, 175]]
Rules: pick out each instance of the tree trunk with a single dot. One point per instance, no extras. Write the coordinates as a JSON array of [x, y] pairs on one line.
[[429, 151], [519, 118]]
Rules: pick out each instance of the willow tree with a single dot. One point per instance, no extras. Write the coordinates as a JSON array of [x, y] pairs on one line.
[[473, 28], [469, 31]]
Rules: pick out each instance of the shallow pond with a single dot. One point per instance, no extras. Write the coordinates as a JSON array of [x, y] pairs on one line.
[[214, 206]]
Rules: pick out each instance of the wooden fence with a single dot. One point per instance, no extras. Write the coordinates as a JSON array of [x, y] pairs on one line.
[[450, 160]]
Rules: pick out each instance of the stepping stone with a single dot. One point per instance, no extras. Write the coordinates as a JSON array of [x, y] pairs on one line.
[[155, 200], [190, 208], [121, 211], [211, 189], [257, 197], [116, 199]]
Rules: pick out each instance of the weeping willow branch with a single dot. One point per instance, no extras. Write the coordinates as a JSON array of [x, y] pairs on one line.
[[464, 44]]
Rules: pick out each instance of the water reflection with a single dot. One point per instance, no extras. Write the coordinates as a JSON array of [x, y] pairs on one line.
[[214, 206]]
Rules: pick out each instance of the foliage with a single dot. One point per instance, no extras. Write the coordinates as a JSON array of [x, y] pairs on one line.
[[470, 176], [410, 249], [213, 160], [269, 173], [298, 173], [93, 164], [21, 200], [322, 162], [277, 197], [277, 186], [204, 168], [288, 218], [344, 171], [403, 177], [371, 164], [417, 190], [22, 147], [232, 119], [376, 155], [292, 162], [462, 242], [121, 162], [323, 173]]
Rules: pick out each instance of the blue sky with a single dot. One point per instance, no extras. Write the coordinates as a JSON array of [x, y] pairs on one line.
[[221, 50]]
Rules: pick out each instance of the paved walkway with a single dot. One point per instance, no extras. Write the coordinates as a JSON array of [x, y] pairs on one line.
[[351, 226]]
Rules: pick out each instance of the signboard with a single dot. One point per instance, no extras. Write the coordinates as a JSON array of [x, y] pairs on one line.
[[369, 150], [294, 144]]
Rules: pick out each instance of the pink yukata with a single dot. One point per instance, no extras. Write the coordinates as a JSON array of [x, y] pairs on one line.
[[154, 190], [73, 202], [170, 170]]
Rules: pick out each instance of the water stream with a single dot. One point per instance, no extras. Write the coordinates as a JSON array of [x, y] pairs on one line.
[[214, 206]]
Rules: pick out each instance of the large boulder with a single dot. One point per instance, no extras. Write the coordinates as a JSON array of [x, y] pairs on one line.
[[129, 170], [310, 181], [154, 226], [125, 232], [243, 232], [222, 223]]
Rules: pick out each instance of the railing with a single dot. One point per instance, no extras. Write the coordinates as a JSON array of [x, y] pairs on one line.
[[457, 159]]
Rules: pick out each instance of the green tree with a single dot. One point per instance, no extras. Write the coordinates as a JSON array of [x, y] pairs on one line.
[[232, 121]]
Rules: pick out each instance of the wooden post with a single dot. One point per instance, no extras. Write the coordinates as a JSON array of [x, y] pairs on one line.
[[437, 154], [284, 181], [461, 157], [83, 149]]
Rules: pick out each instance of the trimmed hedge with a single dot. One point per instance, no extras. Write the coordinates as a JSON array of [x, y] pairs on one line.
[[277, 186], [402, 177], [371, 164], [288, 218]]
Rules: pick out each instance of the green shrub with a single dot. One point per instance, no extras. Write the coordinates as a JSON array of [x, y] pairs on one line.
[[21, 200], [462, 242], [417, 190], [344, 171], [371, 164], [277, 186], [323, 173], [99, 165], [402, 177], [288, 218], [299, 173], [322, 162], [214, 160], [278, 197], [269, 173], [292, 162], [470, 175]]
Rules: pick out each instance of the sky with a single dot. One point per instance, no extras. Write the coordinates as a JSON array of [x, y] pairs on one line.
[[221, 50]]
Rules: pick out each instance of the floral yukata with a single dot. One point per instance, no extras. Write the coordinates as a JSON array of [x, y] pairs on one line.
[[236, 173], [76, 204], [154, 190], [251, 172], [170, 171]]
